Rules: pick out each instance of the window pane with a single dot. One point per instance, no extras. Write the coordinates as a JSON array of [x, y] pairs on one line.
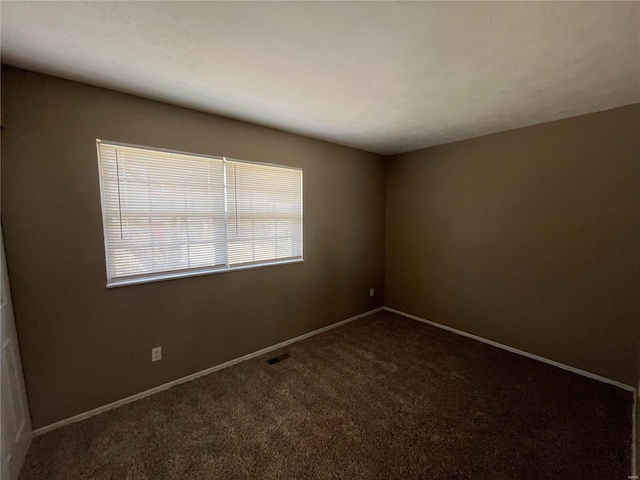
[[162, 211], [264, 209], [173, 212]]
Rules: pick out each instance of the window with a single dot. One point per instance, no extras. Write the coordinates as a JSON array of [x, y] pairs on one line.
[[169, 214]]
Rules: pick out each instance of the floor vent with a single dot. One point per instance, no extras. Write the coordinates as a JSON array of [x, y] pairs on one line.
[[273, 360]]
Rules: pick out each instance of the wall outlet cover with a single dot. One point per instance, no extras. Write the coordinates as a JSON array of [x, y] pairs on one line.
[[156, 354]]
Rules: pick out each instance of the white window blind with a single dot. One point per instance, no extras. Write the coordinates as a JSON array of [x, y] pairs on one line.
[[264, 213], [169, 214]]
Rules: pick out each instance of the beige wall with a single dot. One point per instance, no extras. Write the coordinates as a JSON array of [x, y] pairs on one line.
[[83, 345], [527, 237], [530, 238]]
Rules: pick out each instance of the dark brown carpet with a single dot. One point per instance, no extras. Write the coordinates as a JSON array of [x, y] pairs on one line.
[[382, 397]]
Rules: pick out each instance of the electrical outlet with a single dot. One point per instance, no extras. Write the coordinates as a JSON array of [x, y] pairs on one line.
[[156, 354], [371, 292]]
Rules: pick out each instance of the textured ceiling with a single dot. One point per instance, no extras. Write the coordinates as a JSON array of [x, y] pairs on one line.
[[387, 77]]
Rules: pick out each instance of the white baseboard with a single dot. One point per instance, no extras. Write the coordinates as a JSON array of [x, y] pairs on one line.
[[634, 441], [146, 393], [193, 376], [636, 392], [515, 350]]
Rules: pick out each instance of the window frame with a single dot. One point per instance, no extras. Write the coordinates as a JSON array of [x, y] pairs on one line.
[[175, 274]]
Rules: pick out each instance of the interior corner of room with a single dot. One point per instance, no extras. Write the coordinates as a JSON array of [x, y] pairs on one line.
[[403, 261]]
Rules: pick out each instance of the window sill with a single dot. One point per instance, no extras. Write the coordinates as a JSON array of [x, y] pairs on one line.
[[196, 273]]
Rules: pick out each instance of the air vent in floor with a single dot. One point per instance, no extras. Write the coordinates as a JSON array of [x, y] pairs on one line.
[[274, 360]]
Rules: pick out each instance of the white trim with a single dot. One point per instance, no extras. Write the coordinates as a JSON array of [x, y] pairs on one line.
[[193, 376], [160, 277], [634, 437], [191, 154], [515, 350]]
